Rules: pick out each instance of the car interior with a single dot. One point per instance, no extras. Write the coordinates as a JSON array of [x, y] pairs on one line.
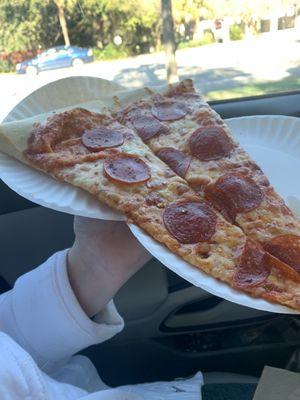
[[172, 328]]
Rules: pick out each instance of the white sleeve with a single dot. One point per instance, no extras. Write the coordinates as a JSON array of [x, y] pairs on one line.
[[42, 314]]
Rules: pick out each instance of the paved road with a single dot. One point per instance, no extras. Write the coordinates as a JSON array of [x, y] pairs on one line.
[[270, 57]]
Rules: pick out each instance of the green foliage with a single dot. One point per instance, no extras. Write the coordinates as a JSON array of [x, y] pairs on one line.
[[236, 32], [96, 22], [26, 24], [33, 24], [255, 89], [6, 66], [110, 52], [191, 10], [208, 38]]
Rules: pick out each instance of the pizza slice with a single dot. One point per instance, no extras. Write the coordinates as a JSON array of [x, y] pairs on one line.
[[188, 135], [107, 159]]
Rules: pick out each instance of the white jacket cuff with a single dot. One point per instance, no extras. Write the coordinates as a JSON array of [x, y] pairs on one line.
[[50, 321]]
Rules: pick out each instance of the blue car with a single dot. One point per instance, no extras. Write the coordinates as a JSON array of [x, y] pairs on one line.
[[56, 57]]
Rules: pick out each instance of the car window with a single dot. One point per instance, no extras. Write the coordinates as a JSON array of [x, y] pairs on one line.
[[50, 52], [231, 49], [62, 51]]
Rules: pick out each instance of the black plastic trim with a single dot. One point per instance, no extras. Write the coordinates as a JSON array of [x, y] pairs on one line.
[[218, 325], [258, 97], [287, 103]]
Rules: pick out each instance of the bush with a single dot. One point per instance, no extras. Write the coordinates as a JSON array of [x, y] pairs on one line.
[[208, 38], [110, 52], [18, 56], [8, 61], [6, 66], [236, 32]]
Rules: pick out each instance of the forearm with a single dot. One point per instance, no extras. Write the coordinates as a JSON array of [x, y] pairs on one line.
[[97, 269]]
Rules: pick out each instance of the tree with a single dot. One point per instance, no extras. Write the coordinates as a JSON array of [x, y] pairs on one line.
[[137, 22], [27, 24], [169, 40], [60, 4]]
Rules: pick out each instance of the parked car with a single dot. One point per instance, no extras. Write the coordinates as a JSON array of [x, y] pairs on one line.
[[56, 57]]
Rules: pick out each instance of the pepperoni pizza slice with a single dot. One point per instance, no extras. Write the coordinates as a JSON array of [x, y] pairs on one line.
[[189, 136], [98, 154]]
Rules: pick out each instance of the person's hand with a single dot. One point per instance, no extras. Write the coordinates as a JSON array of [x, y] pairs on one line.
[[103, 257]]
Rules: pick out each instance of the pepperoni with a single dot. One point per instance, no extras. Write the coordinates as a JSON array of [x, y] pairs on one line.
[[147, 126], [126, 168], [176, 160], [234, 193], [190, 221], [169, 110], [253, 267], [211, 143], [282, 268], [101, 138], [287, 249]]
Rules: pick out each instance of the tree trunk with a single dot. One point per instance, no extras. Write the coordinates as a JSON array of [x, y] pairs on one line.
[[63, 22], [169, 40]]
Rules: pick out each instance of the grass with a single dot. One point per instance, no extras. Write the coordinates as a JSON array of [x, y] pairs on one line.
[[256, 89], [195, 43]]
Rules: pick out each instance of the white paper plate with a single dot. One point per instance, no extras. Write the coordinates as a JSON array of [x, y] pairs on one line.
[[61, 93], [274, 143], [37, 186]]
